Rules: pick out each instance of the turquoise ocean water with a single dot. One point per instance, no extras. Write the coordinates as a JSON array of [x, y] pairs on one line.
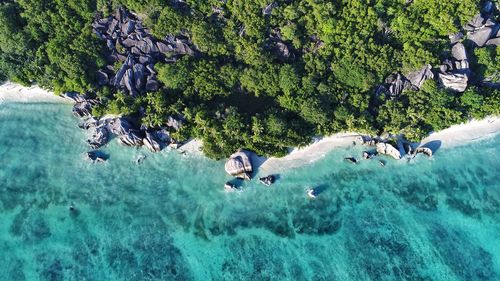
[[169, 218]]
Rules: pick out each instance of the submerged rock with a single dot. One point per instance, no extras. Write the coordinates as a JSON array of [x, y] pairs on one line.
[[240, 165], [97, 156]]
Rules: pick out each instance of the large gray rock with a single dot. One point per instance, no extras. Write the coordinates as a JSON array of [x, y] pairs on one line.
[[397, 83], [387, 149], [493, 42], [239, 165], [130, 139], [481, 36], [151, 142], [99, 137], [458, 52], [128, 81], [454, 81], [119, 126], [164, 48], [417, 78], [139, 76]]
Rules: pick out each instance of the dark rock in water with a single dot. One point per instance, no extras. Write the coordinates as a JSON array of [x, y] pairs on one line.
[[140, 159], [82, 109], [368, 154], [97, 156], [425, 150], [100, 137], [128, 81], [268, 180], [231, 187], [397, 84], [351, 159]]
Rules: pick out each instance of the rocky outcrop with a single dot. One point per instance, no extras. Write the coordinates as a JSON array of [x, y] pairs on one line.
[[388, 149], [397, 83], [99, 137], [130, 42], [417, 78], [151, 142], [239, 165], [130, 139], [454, 72], [482, 29]]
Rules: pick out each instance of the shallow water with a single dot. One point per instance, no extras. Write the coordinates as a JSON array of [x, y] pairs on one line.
[[169, 218]]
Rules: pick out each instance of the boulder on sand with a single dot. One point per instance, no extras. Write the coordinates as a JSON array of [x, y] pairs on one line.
[[239, 165], [388, 149]]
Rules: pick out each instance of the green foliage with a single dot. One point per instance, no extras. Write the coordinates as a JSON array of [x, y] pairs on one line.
[[240, 90]]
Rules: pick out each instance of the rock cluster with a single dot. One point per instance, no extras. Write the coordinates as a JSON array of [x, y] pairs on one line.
[[454, 73], [397, 83], [388, 149], [482, 29], [126, 131], [132, 44]]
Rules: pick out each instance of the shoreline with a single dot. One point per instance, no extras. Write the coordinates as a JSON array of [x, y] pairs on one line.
[[455, 135], [16, 93], [320, 147]]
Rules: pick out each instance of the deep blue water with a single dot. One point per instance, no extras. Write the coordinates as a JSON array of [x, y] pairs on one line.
[[169, 218]]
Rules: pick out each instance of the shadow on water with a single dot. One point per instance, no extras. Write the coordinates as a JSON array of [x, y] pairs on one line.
[[433, 145]]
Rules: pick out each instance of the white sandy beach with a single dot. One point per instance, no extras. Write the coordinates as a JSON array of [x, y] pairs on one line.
[[12, 92], [453, 136]]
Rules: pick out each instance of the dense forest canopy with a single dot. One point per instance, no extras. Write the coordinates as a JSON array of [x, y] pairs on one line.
[[266, 74]]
